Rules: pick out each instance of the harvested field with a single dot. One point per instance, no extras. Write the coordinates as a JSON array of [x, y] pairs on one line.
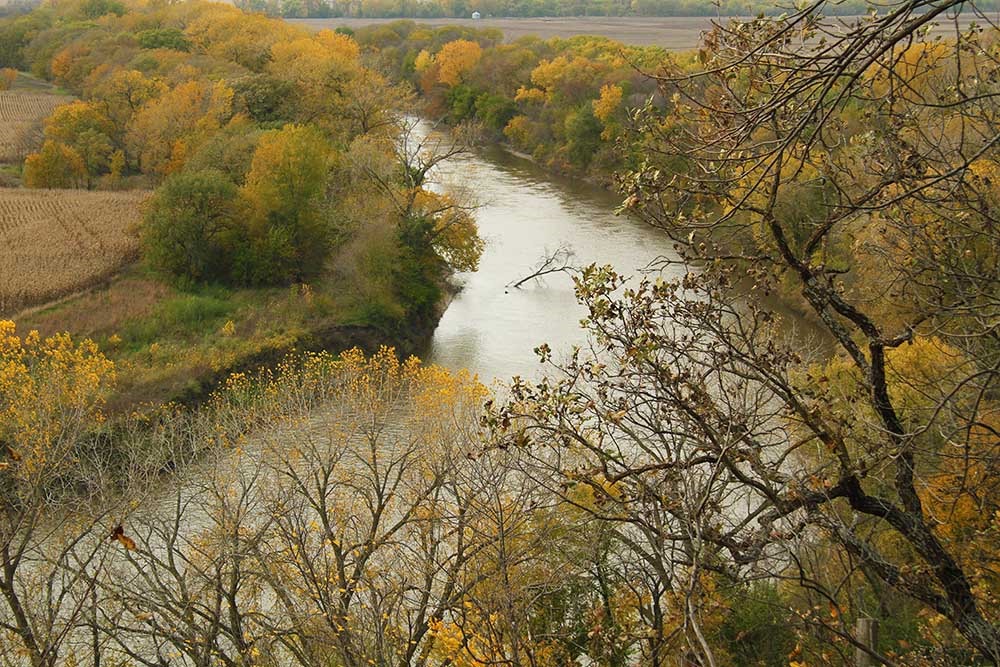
[[21, 116], [674, 33], [56, 242]]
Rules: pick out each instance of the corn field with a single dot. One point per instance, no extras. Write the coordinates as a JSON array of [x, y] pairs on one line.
[[21, 116], [55, 242]]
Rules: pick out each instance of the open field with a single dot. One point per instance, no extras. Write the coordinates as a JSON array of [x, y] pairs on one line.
[[674, 33], [56, 242], [21, 116]]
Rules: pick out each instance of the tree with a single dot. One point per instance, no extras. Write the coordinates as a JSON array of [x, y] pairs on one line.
[[349, 544], [265, 98], [788, 161], [436, 234], [123, 93], [285, 189], [7, 78], [85, 128], [607, 108], [321, 68], [455, 59], [188, 224], [159, 133], [583, 135], [451, 230], [54, 166]]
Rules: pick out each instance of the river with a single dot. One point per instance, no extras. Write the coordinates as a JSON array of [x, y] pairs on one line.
[[524, 213]]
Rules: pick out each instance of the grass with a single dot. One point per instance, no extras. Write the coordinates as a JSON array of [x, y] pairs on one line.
[[175, 344], [184, 316]]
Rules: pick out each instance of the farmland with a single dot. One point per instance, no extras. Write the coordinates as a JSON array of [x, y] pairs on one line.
[[60, 241], [21, 114], [674, 33]]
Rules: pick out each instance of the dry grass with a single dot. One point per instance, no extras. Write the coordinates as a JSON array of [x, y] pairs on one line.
[[56, 242], [100, 312], [21, 116]]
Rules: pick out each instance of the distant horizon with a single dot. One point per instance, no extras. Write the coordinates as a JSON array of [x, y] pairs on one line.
[[984, 7]]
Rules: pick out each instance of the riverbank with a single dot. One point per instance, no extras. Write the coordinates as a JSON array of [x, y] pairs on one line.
[[177, 346]]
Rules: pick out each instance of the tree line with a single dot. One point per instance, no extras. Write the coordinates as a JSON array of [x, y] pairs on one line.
[[563, 102]]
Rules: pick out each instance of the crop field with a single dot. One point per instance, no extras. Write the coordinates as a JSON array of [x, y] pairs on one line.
[[674, 33], [21, 116], [56, 242]]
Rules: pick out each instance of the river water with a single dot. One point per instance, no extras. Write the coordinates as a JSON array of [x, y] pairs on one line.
[[524, 213]]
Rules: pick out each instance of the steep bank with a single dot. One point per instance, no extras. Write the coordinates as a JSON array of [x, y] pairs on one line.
[[173, 345]]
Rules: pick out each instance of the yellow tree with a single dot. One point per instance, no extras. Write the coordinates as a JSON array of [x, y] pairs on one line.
[[285, 191], [54, 166], [455, 59], [7, 78], [124, 92], [160, 133], [51, 393], [607, 107], [333, 90], [370, 516], [226, 32], [84, 127], [453, 231]]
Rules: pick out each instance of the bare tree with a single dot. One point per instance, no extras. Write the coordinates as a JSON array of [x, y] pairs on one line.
[[558, 261]]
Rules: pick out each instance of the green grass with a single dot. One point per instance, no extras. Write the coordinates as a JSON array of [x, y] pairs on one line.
[[186, 316]]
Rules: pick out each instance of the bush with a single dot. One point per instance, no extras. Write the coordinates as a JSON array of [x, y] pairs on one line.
[[756, 629], [189, 224], [55, 166], [163, 38]]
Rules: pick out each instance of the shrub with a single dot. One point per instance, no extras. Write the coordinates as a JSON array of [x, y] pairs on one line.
[[188, 226], [55, 166], [7, 78]]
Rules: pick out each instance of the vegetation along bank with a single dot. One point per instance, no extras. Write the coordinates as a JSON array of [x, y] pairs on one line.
[[224, 187]]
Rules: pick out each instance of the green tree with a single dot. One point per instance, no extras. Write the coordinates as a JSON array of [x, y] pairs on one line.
[[583, 135], [188, 223], [285, 190]]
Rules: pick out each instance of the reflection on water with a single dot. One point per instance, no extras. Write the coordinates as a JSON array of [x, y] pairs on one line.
[[493, 330]]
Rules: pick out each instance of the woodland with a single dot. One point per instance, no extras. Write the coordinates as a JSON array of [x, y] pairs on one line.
[[697, 485]]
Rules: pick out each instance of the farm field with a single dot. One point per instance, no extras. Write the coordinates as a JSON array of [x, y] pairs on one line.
[[22, 110], [56, 242], [674, 33]]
